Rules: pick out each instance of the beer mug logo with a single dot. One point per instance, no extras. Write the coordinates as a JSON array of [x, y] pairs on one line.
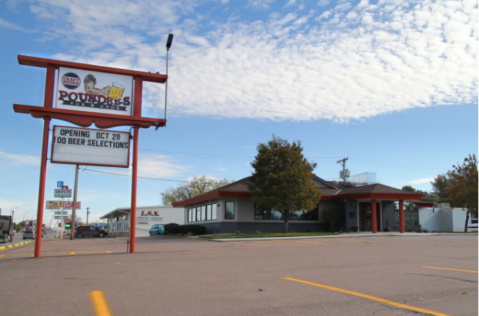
[[116, 91], [71, 80]]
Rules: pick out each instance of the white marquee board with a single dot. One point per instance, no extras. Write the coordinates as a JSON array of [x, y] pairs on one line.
[[85, 146]]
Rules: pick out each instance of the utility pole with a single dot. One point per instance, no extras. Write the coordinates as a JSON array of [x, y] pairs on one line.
[[74, 212], [87, 213], [343, 174]]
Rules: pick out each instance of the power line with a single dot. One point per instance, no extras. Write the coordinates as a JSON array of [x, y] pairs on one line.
[[129, 176]]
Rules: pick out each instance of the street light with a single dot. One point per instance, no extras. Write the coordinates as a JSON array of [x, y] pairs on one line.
[[24, 215]]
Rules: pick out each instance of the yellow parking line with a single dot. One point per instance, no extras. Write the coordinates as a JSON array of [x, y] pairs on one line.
[[99, 303], [240, 243], [1, 256], [109, 252], [470, 271], [73, 253], [370, 297]]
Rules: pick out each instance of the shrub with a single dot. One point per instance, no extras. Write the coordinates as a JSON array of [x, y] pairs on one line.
[[189, 234], [409, 229], [238, 232], [292, 231], [425, 231], [331, 227], [346, 230], [175, 229], [273, 232], [308, 231], [419, 230], [214, 231], [257, 232]]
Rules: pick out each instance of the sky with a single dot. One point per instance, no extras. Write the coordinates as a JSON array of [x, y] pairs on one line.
[[389, 84]]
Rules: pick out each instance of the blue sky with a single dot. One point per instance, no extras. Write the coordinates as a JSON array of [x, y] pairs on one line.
[[390, 84]]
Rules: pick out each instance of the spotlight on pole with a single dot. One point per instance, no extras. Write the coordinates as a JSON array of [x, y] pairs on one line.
[[169, 41]]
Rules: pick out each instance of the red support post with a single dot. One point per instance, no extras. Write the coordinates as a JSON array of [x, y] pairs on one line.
[[374, 216], [401, 216], [41, 189], [134, 175]]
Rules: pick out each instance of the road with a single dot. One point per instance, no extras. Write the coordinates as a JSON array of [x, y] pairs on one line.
[[351, 275]]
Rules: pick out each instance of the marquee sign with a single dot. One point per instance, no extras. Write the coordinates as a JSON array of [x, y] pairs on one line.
[[85, 146], [93, 91]]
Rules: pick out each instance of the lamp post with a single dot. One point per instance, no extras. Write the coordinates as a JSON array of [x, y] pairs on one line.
[[24, 215], [87, 213]]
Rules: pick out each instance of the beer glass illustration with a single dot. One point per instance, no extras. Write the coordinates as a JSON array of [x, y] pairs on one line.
[[116, 91]]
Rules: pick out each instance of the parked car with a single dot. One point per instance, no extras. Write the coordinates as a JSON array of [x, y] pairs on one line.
[[157, 229], [82, 231], [29, 234]]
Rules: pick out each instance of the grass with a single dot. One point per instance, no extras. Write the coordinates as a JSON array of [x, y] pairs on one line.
[[263, 235]]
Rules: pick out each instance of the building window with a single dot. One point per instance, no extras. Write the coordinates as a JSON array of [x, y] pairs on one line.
[[473, 218], [203, 213], [411, 214], [229, 210], [262, 213], [213, 212], [208, 212]]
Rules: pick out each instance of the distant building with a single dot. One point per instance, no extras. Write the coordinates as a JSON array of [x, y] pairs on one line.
[[118, 220]]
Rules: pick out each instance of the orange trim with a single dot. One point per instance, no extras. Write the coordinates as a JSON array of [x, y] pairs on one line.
[[381, 196], [85, 119], [44, 62], [212, 195]]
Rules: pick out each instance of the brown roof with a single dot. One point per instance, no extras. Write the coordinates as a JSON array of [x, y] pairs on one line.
[[336, 190]]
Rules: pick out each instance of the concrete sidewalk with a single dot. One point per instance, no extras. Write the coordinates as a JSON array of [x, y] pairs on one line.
[[347, 235]]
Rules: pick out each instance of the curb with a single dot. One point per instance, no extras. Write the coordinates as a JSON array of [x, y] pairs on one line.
[[15, 245]]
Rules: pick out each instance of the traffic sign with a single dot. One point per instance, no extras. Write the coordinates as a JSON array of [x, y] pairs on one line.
[[60, 217], [59, 184], [62, 193]]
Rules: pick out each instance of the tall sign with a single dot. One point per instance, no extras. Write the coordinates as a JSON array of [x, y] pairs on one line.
[[85, 95]]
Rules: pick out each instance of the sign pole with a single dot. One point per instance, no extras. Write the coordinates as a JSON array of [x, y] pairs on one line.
[[41, 190], [133, 190], [72, 225]]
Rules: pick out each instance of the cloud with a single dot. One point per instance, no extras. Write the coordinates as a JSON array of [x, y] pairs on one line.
[[347, 63], [25, 160], [420, 181], [160, 166], [15, 27], [260, 4]]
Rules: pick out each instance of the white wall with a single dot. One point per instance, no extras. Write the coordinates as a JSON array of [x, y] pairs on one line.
[[446, 220], [166, 215]]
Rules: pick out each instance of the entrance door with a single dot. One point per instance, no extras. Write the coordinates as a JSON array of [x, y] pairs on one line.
[[366, 217]]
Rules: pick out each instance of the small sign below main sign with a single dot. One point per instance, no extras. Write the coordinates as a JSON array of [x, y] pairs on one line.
[[86, 146], [62, 193]]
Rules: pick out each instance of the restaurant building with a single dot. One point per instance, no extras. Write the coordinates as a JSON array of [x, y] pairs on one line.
[[370, 207]]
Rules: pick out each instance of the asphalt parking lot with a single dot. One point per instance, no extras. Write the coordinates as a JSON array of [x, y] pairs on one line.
[[407, 275]]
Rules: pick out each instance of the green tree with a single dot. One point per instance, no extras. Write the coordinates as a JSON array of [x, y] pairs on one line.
[[282, 179], [462, 188], [439, 185], [195, 187], [408, 188]]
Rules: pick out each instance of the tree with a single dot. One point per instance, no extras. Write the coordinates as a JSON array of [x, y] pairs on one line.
[[282, 179], [439, 185], [408, 188], [195, 187], [462, 186]]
